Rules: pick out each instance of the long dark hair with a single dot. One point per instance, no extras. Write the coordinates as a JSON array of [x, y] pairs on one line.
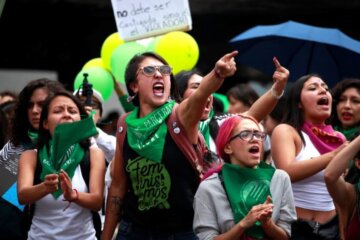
[[293, 115], [131, 74], [21, 124], [44, 134], [336, 92]]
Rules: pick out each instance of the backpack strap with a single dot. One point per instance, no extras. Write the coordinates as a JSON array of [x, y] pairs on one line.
[[193, 153]]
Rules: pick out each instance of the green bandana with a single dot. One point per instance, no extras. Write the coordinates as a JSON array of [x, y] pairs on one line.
[[348, 133], [204, 128], [64, 149], [33, 136], [246, 187], [146, 135]]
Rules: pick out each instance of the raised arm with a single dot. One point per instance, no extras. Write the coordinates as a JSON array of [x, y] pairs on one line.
[[341, 191], [191, 109], [267, 102]]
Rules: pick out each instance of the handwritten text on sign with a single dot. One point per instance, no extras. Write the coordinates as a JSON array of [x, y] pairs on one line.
[[138, 19]]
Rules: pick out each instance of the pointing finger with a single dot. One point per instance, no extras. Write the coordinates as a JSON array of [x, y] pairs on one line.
[[277, 63], [229, 56]]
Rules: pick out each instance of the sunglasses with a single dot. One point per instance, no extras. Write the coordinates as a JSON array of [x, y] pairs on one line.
[[150, 70], [248, 135]]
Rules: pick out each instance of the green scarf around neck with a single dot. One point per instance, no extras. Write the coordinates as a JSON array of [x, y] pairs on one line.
[[64, 151], [348, 133], [33, 135], [246, 187], [204, 128], [146, 135]]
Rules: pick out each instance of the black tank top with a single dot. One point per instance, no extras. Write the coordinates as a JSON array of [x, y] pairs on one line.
[[161, 207]]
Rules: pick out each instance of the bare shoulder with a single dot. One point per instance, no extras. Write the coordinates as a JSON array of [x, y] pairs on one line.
[[29, 153], [283, 127], [283, 131]]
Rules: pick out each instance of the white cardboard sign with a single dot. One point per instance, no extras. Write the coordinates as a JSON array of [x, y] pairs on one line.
[[137, 19]]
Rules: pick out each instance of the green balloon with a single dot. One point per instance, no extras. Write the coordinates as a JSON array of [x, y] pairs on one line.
[[121, 56], [100, 78]]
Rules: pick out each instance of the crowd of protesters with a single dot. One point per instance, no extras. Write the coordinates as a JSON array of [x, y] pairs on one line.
[[282, 165]]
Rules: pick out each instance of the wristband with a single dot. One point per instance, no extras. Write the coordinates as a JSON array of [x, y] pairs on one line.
[[273, 93]]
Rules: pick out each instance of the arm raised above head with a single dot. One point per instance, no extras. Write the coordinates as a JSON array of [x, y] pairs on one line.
[[267, 102], [191, 109]]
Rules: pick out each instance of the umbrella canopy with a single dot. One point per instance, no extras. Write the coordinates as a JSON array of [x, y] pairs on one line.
[[301, 48]]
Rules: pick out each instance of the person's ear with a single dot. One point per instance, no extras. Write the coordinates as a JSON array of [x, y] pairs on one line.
[[134, 87], [228, 149]]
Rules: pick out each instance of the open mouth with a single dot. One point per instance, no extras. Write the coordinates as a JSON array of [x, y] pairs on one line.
[[158, 89], [254, 149], [324, 101], [346, 115]]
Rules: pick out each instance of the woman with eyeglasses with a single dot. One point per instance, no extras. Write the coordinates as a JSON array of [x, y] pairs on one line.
[[303, 145], [153, 184], [245, 198]]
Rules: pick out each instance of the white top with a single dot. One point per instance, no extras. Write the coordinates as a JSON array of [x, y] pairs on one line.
[[214, 216], [106, 142], [50, 222], [311, 193]]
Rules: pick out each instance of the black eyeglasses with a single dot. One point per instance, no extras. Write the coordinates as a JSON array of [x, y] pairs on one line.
[[248, 135], [150, 70]]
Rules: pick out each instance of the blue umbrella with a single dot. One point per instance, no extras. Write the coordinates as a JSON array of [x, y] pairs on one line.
[[301, 48]]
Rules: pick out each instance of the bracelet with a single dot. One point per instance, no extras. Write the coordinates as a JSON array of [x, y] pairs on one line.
[[72, 200], [217, 75], [273, 93]]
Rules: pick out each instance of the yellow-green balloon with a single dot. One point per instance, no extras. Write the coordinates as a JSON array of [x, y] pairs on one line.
[[95, 62], [179, 49], [122, 56], [109, 45], [100, 78]]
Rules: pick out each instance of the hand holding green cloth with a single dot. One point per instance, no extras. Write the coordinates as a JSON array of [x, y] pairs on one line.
[[245, 188], [64, 151], [146, 135]]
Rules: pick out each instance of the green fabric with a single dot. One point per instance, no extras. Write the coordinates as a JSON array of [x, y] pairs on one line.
[[127, 106], [63, 150], [348, 133], [204, 128], [33, 136], [146, 135], [246, 187]]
